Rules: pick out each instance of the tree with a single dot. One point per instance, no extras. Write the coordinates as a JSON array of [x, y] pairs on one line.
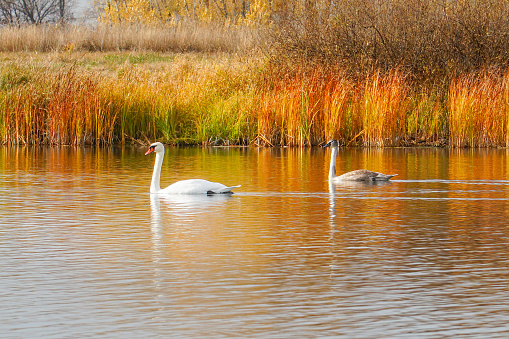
[[19, 12], [172, 11]]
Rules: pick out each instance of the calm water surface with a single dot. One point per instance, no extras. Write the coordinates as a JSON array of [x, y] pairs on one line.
[[87, 252]]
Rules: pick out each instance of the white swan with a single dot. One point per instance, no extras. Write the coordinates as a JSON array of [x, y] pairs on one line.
[[357, 175], [191, 186]]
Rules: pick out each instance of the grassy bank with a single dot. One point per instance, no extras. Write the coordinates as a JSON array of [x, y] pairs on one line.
[[110, 98], [396, 73], [223, 99]]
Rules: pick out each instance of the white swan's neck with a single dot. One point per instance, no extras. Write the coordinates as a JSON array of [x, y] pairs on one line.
[[332, 169], [155, 186]]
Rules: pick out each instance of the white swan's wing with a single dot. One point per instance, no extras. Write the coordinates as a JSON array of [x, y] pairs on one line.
[[196, 186], [384, 177]]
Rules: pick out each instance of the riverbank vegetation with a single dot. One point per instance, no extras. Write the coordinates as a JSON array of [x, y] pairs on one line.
[[399, 73]]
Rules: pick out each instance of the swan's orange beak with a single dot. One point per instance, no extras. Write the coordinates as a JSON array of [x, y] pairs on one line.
[[150, 150]]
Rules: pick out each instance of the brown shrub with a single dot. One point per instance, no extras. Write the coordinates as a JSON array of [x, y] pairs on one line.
[[430, 39]]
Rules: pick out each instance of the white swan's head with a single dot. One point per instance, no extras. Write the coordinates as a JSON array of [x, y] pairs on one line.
[[155, 147], [332, 143]]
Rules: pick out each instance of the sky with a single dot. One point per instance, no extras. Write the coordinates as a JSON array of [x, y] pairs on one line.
[[81, 7]]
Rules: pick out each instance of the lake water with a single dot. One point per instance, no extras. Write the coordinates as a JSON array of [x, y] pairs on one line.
[[87, 252]]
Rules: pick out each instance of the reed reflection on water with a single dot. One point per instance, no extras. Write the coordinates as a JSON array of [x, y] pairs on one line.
[[86, 251]]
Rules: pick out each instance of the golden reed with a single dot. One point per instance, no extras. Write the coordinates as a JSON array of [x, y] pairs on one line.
[[189, 101]]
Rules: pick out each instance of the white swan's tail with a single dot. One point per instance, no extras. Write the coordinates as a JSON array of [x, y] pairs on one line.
[[224, 190]]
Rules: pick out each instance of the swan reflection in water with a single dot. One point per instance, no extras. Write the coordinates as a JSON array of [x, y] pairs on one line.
[[172, 215], [155, 225], [181, 210], [350, 190], [347, 191]]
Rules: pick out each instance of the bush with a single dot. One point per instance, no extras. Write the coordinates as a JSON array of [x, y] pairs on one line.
[[429, 39]]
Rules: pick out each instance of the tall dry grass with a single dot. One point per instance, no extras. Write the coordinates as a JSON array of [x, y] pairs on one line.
[[383, 110], [310, 108], [479, 110], [384, 105], [185, 102], [62, 109], [185, 37]]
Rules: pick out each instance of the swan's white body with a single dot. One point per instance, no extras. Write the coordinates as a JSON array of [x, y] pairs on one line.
[[357, 175], [191, 186]]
